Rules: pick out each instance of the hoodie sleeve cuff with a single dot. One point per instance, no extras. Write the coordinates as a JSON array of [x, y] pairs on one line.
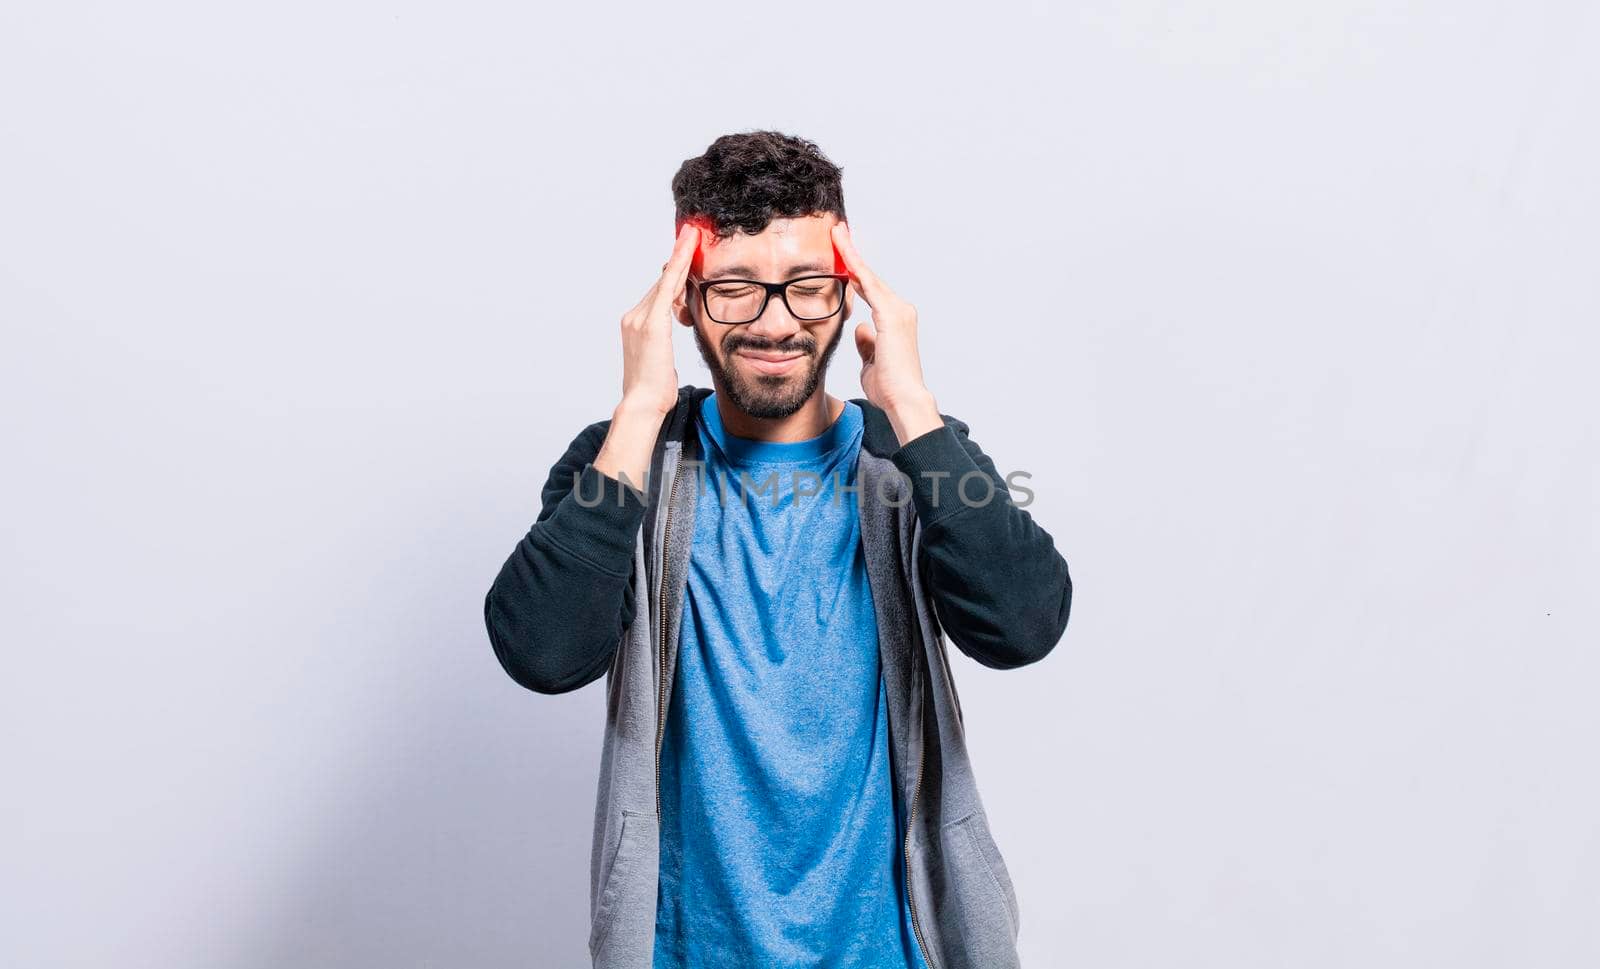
[[602, 529], [936, 462]]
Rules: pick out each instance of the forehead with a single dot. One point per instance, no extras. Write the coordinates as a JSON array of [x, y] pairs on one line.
[[783, 243]]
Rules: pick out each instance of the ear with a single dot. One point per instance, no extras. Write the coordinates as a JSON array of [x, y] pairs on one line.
[[680, 307], [849, 291]]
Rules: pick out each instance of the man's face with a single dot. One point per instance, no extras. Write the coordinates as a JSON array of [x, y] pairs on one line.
[[772, 365]]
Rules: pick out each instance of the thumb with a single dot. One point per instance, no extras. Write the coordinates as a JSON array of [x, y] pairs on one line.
[[866, 342]]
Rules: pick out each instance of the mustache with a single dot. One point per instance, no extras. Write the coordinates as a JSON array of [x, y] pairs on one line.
[[743, 344]]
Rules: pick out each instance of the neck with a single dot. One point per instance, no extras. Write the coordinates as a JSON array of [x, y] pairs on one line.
[[814, 416]]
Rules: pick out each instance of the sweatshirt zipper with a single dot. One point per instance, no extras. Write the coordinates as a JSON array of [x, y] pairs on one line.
[[911, 899], [661, 655], [911, 816]]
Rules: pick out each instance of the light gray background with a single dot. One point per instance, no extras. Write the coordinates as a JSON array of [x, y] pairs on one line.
[[1288, 308]]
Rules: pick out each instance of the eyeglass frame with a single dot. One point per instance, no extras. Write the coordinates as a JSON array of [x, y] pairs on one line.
[[779, 288]]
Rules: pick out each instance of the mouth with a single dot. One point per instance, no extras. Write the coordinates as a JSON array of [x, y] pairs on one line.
[[765, 361]]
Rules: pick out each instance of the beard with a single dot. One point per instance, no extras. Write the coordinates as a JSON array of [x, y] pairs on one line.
[[769, 396]]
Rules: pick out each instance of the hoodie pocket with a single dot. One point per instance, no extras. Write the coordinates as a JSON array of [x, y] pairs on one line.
[[621, 898], [987, 901]]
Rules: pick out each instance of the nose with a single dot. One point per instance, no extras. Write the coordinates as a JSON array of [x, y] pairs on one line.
[[775, 322]]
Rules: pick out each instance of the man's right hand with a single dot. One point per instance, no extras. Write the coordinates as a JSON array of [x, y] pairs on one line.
[[649, 376]]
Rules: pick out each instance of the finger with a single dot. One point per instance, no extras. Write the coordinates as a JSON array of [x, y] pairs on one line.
[[674, 270], [862, 278], [866, 343], [677, 268]]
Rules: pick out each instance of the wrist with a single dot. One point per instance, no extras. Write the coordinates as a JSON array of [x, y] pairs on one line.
[[913, 415], [635, 410]]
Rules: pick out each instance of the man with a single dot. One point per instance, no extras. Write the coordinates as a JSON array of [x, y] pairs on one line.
[[765, 574]]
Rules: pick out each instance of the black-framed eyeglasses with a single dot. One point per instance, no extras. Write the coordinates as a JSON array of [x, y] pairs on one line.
[[735, 301]]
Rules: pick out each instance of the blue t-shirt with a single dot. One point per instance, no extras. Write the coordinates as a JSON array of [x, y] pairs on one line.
[[780, 833]]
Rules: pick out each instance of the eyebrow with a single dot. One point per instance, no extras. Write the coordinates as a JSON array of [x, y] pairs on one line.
[[749, 272]]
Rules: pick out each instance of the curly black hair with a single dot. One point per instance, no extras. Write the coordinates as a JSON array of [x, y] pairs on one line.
[[745, 180]]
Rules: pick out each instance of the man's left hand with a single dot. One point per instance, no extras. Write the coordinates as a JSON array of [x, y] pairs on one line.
[[891, 369]]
